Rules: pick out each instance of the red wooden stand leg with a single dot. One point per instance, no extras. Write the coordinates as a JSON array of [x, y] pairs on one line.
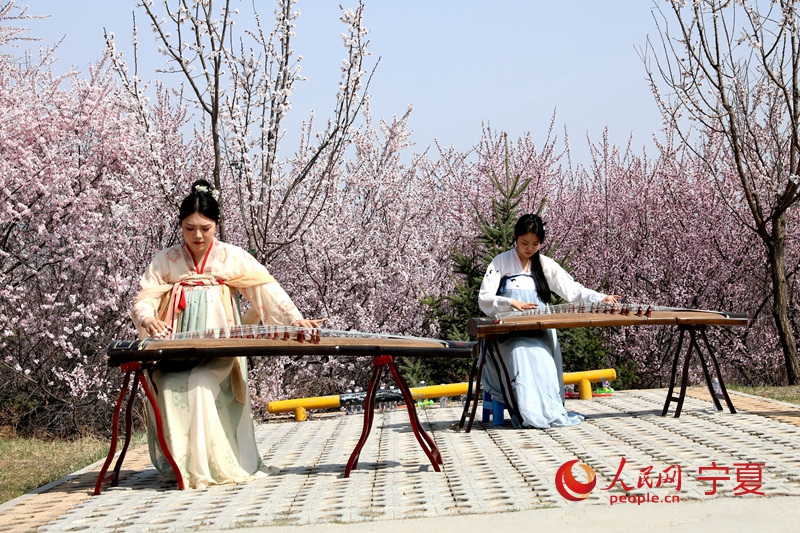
[[369, 414], [128, 429], [422, 436], [160, 432], [114, 435], [425, 441]]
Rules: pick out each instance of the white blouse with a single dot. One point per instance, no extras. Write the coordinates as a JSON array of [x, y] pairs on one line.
[[508, 264]]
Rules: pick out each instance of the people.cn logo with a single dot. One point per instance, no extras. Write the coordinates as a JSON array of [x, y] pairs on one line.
[[569, 487]]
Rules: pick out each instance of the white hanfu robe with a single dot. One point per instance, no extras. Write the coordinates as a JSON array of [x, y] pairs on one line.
[[534, 362], [205, 406]]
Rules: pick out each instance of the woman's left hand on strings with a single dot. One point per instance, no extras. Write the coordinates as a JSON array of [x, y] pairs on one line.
[[612, 299], [303, 323]]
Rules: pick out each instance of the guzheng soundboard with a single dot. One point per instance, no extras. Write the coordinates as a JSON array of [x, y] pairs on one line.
[[281, 341], [599, 315]]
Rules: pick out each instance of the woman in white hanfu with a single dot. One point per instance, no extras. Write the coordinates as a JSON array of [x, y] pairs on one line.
[[520, 279], [205, 405]]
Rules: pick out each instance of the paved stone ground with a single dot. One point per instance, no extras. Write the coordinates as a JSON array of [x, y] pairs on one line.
[[492, 469]]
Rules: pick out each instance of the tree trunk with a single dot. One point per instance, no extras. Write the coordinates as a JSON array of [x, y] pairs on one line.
[[215, 136], [780, 298]]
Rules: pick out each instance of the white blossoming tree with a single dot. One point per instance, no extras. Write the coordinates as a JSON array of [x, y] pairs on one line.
[[726, 75]]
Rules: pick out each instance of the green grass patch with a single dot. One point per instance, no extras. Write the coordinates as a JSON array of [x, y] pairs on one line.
[[27, 463], [790, 394]]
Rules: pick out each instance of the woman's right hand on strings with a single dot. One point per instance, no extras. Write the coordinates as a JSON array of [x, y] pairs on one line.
[[308, 323], [522, 306], [154, 326]]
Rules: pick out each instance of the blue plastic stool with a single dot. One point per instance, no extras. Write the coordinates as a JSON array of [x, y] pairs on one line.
[[496, 411]]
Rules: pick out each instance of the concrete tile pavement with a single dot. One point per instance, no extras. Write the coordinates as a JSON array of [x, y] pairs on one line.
[[486, 473]]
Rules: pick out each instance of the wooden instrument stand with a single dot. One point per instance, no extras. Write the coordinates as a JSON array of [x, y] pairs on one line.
[[135, 357], [425, 441]]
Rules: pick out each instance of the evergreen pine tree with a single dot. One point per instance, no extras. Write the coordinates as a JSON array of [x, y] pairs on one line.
[[452, 310], [582, 348]]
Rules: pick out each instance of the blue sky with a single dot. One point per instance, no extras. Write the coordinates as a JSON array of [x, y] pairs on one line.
[[510, 63]]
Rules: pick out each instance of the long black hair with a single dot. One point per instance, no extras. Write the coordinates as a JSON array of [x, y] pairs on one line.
[[200, 200], [534, 224]]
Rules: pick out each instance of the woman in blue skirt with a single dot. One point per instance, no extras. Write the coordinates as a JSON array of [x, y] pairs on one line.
[[521, 279]]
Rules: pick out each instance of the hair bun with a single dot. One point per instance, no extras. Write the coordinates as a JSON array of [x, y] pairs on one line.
[[204, 187]]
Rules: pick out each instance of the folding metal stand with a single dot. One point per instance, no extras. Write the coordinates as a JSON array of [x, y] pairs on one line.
[[695, 347], [487, 350]]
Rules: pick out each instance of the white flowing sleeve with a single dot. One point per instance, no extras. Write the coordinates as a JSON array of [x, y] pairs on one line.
[[273, 305], [489, 302], [148, 307], [564, 285], [270, 301]]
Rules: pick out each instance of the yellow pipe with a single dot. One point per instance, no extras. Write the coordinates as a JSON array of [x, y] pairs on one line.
[[317, 402], [574, 378], [437, 391], [585, 389], [300, 405]]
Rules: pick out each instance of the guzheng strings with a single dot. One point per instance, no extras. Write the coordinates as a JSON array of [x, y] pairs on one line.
[[261, 331], [627, 309]]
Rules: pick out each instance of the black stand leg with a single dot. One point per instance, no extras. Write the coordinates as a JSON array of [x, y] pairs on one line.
[[719, 374], [671, 398], [471, 377], [706, 375], [482, 355], [507, 390]]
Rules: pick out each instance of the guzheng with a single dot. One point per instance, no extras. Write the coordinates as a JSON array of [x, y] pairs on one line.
[[263, 340], [494, 329], [281, 340], [599, 315], [136, 357]]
